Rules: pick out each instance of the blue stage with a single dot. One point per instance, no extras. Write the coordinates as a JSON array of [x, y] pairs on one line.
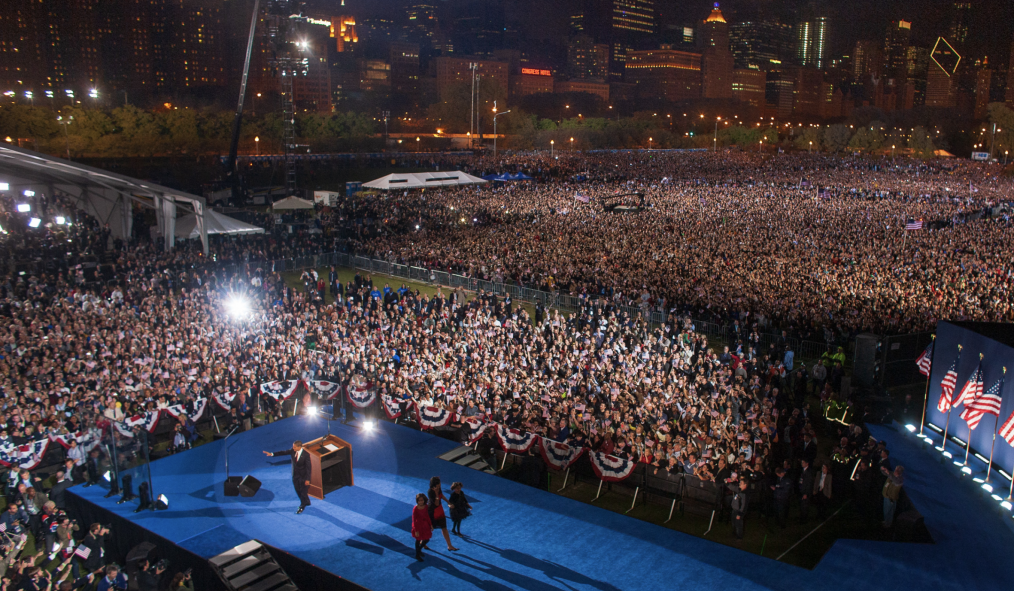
[[524, 538]]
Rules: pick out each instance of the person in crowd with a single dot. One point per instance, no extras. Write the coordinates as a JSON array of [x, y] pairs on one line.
[[95, 542], [422, 526], [740, 505], [782, 489], [113, 580], [891, 492], [460, 507], [807, 478], [438, 518], [182, 582]]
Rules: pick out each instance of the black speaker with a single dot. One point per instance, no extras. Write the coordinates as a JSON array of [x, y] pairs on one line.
[[249, 486], [232, 486]]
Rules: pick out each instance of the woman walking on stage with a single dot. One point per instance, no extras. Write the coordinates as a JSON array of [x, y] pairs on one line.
[[422, 529], [436, 508]]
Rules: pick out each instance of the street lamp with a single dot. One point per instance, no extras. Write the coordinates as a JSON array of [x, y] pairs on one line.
[[892, 151], [760, 146], [811, 146], [65, 123], [716, 133], [495, 115], [257, 142], [30, 96], [551, 142], [572, 144], [649, 143]]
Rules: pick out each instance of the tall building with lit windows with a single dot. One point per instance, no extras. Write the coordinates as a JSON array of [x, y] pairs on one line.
[[717, 59], [941, 78], [896, 43], [812, 42], [622, 25]]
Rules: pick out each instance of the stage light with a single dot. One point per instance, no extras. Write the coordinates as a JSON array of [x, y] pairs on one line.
[[966, 470], [1006, 505], [997, 498], [60, 220], [978, 480], [947, 454], [24, 207], [28, 193], [981, 457], [987, 487], [368, 426], [34, 222], [911, 428], [934, 427], [161, 503], [5, 186], [108, 476], [312, 410], [238, 307]]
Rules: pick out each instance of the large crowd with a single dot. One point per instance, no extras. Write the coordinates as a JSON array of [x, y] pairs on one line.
[[801, 243]]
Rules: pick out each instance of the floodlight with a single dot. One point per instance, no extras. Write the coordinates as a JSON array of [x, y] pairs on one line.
[[28, 193], [60, 220], [161, 503], [34, 222], [24, 207], [987, 487], [911, 428], [1006, 505], [368, 426], [5, 187], [108, 476], [238, 307]]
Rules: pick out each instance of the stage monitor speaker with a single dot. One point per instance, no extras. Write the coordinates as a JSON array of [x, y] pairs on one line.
[[249, 486], [232, 486]]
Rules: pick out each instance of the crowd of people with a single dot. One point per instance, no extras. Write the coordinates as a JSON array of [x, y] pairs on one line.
[[740, 236]]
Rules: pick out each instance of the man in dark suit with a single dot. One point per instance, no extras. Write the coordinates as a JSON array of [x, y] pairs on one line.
[[300, 472], [806, 478]]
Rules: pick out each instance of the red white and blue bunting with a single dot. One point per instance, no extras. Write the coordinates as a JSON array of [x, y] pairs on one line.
[[25, 457], [611, 468], [148, 421], [322, 389], [86, 440], [431, 417], [224, 401], [392, 407], [360, 394], [198, 409], [474, 429], [280, 390], [558, 455], [514, 441]]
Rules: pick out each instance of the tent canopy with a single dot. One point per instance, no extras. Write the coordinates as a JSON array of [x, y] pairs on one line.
[[292, 203], [421, 180], [215, 223]]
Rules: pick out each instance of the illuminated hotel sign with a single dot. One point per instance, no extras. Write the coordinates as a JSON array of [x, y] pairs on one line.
[[536, 72]]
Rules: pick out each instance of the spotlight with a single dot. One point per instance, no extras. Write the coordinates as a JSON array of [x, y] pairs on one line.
[[312, 410], [161, 503], [997, 498], [1006, 505], [28, 193], [368, 426], [911, 428], [24, 207], [5, 187], [60, 220], [987, 487], [966, 470], [34, 222], [108, 476], [238, 307]]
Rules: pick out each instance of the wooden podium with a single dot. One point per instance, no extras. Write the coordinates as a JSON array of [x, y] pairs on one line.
[[330, 465]]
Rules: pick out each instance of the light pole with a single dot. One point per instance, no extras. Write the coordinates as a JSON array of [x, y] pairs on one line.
[[94, 95], [716, 133], [811, 146], [30, 96], [760, 146], [892, 151], [495, 115], [649, 143], [257, 142], [1005, 152], [66, 134], [992, 142], [387, 114], [551, 153], [571, 144]]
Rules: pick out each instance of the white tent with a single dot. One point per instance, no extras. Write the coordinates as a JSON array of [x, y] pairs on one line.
[[421, 180], [215, 223], [292, 203]]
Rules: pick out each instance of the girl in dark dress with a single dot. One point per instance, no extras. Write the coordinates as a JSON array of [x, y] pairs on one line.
[[460, 509], [436, 508]]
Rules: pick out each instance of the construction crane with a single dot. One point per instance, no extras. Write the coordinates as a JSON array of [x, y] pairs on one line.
[[288, 57]]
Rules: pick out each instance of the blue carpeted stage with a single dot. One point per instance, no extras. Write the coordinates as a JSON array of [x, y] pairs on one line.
[[524, 538]]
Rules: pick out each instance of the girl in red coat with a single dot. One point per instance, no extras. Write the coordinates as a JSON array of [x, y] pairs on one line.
[[422, 528]]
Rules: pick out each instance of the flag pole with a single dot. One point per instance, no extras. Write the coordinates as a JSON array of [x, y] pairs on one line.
[[947, 425], [996, 426], [968, 443], [925, 398]]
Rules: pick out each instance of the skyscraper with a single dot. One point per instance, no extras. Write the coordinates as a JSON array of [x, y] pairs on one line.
[[961, 17], [764, 44], [717, 60], [941, 79], [983, 80], [623, 25], [866, 59], [1009, 96], [812, 42], [896, 43]]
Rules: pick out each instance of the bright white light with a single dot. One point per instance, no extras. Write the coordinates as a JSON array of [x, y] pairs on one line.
[[368, 425], [28, 193], [911, 428], [108, 476], [24, 207], [966, 470], [93, 93], [5, 187], [1006, 505], [238, 307], [934, 427], [417, 226], [978, 480], [947, 454], [987, 487], [997, 498], [60, 220], [983, 458], [312, 410], [34, 222]]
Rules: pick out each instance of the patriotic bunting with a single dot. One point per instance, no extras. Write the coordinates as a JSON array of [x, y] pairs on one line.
[[25, 457], [280, 390], [86, 440], [611, 468], [558, 455], [360, 394], [324, 390], [224, 401], [148, 421], [198, 409], [514, 441], [474, 428], [392, 407], [431, 417]]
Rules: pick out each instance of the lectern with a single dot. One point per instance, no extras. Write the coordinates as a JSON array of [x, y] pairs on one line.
[[330, 465]]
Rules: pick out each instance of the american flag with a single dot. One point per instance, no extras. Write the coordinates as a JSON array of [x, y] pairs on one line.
[[582, 198], [3, 527], [914, 225], [972, 389], [987, 403], [947, 386], [1007, 430], [925, 361]]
